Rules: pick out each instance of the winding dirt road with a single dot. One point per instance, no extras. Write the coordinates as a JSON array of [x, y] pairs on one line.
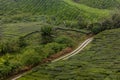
[[76, 51]]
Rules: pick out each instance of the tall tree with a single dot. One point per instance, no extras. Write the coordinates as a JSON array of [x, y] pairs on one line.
[[46, 33]]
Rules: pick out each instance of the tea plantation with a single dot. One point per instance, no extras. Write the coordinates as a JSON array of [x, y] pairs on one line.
[[33, 30]]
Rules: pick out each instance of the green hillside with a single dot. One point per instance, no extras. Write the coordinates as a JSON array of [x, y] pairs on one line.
[[30, 10], [101, 4], [16, 14], [99, 61], [33, 30]]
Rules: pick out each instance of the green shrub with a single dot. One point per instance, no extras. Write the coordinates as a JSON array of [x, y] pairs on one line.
[[64, 40], [46, 34], [116, 20], [113, 22], [71, 24], [30, 57], [9, 46], [21, 42], [109, 23], [4, 71], [97, 27], [52, 48], [8, 65]]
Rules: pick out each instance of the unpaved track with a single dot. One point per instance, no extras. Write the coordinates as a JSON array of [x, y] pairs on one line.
[[76, 51], [19, 76]]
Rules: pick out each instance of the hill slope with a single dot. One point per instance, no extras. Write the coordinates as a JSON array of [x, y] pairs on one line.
[[20, 36], [25, 10], [16, 14], [101, 4], [99, 61]]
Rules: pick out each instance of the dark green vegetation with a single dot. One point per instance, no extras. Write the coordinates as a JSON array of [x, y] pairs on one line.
[[46, 34], [111, 23], [99, 61], [28, 28], [28, 51]]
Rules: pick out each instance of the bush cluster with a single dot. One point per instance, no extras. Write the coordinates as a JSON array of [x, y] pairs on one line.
[[11, 46], [28, 56], [111, 23]]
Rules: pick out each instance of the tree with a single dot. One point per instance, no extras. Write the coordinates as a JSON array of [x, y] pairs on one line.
[[21, 42], [116, 20], [46, 33]]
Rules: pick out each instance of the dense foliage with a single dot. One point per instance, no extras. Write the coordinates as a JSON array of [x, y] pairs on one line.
[[28, 51], [110, 23]]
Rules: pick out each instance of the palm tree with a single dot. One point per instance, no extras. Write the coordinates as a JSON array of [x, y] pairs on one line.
[[46, 33]]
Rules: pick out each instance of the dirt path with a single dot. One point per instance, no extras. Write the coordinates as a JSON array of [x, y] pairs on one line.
[[76, 51], [81, 47], [18, 76]]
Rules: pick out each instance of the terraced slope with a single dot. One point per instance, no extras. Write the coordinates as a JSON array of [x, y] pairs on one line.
[[25, 10], [21, 17], [89, 13], [99, 61], [16, 14]]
